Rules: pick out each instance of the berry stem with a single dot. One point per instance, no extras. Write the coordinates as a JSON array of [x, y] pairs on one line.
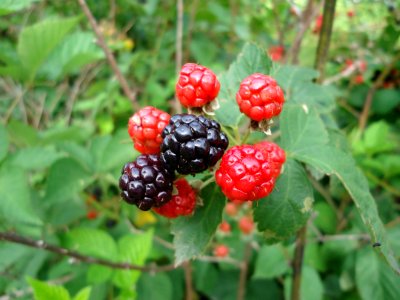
[[246, 135], [207, 182], [229, 134]]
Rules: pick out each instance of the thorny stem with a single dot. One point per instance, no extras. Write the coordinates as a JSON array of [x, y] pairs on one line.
[[110, 57], [40, 244]]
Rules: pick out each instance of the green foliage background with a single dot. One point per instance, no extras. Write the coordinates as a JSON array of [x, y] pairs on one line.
[[63, 141]]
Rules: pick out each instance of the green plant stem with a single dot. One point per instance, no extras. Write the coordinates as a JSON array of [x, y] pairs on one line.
[[325, 37], [229, 134], [207, 182], [298, 263], [246, 135], [244, 269]]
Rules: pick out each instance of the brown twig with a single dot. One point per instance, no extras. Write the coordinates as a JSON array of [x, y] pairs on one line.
[[178, 46], [244, 268], [371, 92], [306, 18], [110, 57], [40, 244], [187, 267], [298, 263], [325, 37]]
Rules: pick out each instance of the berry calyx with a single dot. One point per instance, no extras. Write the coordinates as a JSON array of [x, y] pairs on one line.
[[221, 251], [196, 86], [145, 182], [259, 97], [181, 204], [246, 225], [245, 174], [145, 128], [225, 227], [192, 144]]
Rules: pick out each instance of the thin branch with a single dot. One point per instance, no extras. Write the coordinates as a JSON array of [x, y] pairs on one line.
[[344, 237], [325, 37], [298, 263], [187, 267], [110, 57], [371, 92], [244, 269], [307, 17], [40, 244], [178, 46]]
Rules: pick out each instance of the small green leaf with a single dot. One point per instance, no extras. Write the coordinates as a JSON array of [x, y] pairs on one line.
[[252, 59], [83, 294], [374, 279], [66, 178], [46, 291], [271, 262], [326, 218], [35, 158], [10, 6], [289, 77], [146, 287], [4, 142], [16, 206], [93, 242], [193, 234], [287, 209], [98, 274], [37, 41], [133, 249]]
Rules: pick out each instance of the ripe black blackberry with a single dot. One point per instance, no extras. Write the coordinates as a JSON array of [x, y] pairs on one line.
[[192, 143], [146, 183]]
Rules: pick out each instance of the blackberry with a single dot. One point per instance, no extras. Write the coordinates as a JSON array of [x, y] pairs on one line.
[[145, 182], [192, 143]]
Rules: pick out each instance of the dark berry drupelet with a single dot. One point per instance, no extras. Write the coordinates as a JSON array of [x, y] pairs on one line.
[[146, 183], [192, 143]]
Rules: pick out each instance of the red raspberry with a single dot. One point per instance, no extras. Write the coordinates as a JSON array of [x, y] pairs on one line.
[[246, 224], [145, 129], [231, 209], [221, 251], [225, 227], [276, 156], [197, 85], [350, 13], [91, 215], [318, 24], [245, 174], [259, 97], [181, 204], [276, 52], [358, 79]]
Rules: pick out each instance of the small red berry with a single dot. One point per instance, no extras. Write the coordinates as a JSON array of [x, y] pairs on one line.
[[259, 97], [350, 13], [197, 85], [231, 209], [221, 251], [145, 128], [276, 52], [245, 174], [225, 227], [358, 79], [181, 204], [246, 224], [318, 24], [91, 215], [362, 66]]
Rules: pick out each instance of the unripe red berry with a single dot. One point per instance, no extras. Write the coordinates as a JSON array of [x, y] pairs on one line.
[[221, 251], [225, 227], [246, 224], [231, 209], [91, 215]]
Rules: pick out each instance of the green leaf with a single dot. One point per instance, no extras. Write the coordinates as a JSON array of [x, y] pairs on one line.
[[252, 59], [302, 128], [75, 51], [385, 101], [93, 242], [46, 291], [4, 142], [311, 287], [98, 274], [289, 77], [16, 206], [36, 42], [326, 217], [146, 287], [374, 279], [35, 158], [22, 134], [193, 234], [66, 178], [83, 294], [133, 249], [271, 262], [335, 162], [288, 207], [10, 6]]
